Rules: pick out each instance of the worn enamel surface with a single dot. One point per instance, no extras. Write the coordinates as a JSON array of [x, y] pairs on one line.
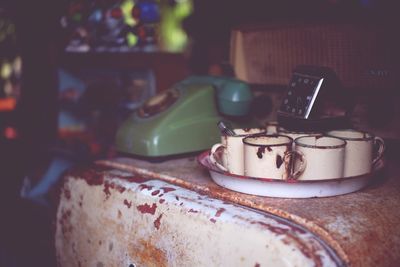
[[362, 227], [114, 218]]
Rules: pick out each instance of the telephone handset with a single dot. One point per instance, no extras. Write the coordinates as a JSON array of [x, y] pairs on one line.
[[184, 118]]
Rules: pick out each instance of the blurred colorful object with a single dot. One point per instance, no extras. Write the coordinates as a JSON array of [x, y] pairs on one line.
[[125, 25], [10, 64], [173, 35]]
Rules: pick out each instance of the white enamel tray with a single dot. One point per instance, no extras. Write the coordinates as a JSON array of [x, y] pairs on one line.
[[287, 189]]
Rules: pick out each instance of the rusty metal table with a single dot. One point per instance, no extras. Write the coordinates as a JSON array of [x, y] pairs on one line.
[[129, 212]]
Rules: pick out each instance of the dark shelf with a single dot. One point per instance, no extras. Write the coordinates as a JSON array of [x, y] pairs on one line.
[[168, 68]]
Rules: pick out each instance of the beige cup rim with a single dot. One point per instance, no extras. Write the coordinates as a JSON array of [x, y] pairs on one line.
[[283, 130], [262, 131], [367, 138], [298, 143], [288, 142]]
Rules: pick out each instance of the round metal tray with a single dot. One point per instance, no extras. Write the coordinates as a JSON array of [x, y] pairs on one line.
[[287, 188]]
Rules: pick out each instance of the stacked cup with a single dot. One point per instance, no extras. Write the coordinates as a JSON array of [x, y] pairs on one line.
[[232, 150], [362, 152]]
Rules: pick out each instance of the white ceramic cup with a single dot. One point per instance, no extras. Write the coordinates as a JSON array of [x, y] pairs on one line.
[[271, 127], [363, 150], [270, 156], [232, 150], [296, 134], [324, 156]]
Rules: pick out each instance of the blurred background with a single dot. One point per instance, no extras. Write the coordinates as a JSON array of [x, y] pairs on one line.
[[72, 70]]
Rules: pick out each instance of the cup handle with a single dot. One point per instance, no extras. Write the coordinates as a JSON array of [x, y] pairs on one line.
[[291, 157], [378, 141], [214, 149]]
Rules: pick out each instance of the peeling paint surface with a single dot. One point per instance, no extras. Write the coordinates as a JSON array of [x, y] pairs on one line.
[[361, 227], [186, 229]]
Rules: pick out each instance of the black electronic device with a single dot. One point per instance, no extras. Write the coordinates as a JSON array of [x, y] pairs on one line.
[[315, 100]]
